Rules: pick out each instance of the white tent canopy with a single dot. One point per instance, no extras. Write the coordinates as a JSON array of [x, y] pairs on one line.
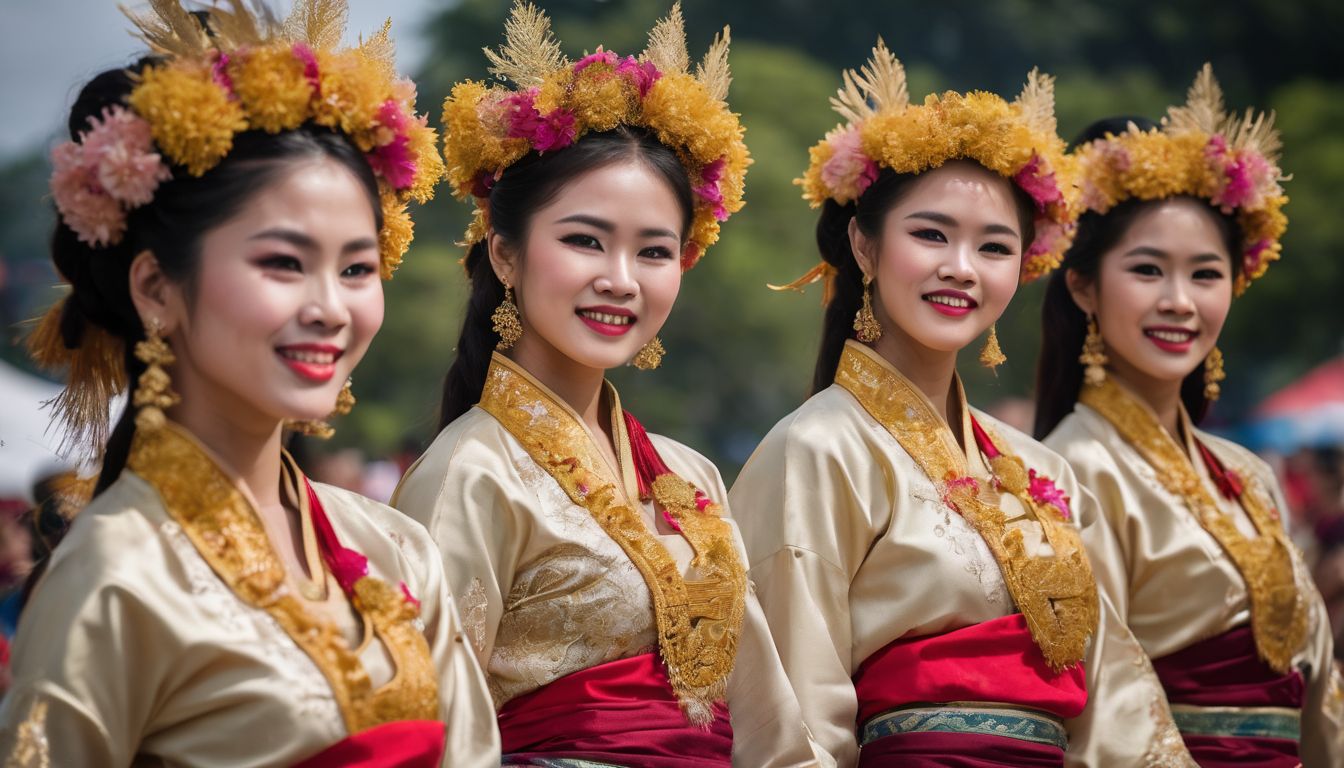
[[28, 449]]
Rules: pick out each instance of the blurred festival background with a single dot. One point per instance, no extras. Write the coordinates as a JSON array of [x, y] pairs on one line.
[[740, 356]]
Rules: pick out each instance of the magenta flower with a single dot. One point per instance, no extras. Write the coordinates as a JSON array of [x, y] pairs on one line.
[[1044, 491], [1042, 188], [310, 73], [601, 57], [556, 130], [219, 72], [641, 74], [709, 191]]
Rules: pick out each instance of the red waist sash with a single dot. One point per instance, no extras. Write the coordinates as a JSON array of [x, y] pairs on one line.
[[1226, 671], [401, 744], [995, 662], [621, 712]]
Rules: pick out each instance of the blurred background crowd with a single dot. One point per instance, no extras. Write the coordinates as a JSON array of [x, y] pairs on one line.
[[739, 355]]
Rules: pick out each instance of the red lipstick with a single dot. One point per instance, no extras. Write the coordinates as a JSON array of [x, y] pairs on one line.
[[1170, 338], [315, 362], [607, 320], [951, 303]]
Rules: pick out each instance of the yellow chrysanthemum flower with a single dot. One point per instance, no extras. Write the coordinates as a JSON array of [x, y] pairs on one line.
[[270, 84], [395, 236], [352, 89], [192, 119], [429, 168]]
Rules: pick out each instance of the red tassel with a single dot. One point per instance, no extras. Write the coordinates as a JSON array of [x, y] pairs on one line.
[[347, 565], [987, 446], [1227, 481], [648, 464]]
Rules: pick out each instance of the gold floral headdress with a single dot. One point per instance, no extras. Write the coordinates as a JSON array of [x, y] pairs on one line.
[[882, 129], [555, 101], [216, 74], [1203, 151]]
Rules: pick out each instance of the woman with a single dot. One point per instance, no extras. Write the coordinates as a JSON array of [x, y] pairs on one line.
[[604, 587], [1179, 220], [959, 620], [223, 230]]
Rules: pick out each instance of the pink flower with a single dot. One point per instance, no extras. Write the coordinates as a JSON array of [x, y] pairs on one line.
[[957, 486], [310, 72], [1048, 235], [112, 169], [601, 57], [555, 131], [1044, 491], [708, 190], [392, 159], [1042, 188], [641, 74], [1248, 178], [848, 171], [1254, 252]]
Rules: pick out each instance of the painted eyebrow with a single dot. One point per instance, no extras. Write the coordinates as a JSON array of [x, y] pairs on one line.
[[1147, 250], [303, 241], [948, 221], [608, 227]]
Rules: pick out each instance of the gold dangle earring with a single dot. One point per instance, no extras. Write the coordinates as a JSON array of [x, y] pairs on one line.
[[507, 321], [1213, 373], [650, 356], [345, 402], [991, 355], [866, 327], [153, 390], [1093, 356]]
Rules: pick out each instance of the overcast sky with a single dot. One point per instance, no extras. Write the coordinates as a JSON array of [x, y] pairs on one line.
[[50, 48]]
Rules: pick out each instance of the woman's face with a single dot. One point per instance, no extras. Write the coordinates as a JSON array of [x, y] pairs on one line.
[[1162, 293], [286, 299], [948, 259], [599, 271]]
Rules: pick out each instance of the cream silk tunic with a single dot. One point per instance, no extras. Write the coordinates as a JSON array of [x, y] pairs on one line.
[[545, 592], [1173, 583], [852, 548], [132, 651]]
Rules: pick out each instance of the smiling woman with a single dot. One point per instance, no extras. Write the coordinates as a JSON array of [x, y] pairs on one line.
[[604, 583], [1181, 217], [902, 541], [223, 232]]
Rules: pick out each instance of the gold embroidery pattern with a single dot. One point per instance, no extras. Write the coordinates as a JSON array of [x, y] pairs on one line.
[[1057, 595], [474, 606], [31, 748], [1278, 610], [225, 529], [698, 620], [569, 609]]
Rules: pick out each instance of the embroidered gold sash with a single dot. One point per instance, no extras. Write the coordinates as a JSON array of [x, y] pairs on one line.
[[1278, 610], [1057, 595], [219, 520], [698, 620]]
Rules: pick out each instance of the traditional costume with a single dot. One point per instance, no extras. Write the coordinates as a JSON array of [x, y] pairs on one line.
[[166, 630], [927, 584], [1203, 571], [609, 605]]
